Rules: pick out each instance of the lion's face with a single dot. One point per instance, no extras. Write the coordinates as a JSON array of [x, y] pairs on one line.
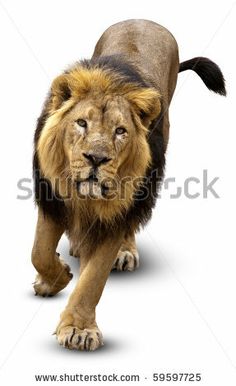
[[95, 135], [99, 138]]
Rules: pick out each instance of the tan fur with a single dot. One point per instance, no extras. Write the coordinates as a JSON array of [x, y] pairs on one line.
[[53, 273], [80, 311]]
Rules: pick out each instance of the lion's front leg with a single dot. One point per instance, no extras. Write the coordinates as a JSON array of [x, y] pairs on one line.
[[77, 328], [53, 274], [127, 258]]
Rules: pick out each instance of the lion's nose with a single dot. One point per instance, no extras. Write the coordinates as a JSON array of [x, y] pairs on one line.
[[96, 159]]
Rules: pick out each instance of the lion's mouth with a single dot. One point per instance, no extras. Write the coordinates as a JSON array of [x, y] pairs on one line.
[[92, 187]]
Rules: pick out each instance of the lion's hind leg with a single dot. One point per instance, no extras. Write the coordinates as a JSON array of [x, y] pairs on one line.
[[127, 258]]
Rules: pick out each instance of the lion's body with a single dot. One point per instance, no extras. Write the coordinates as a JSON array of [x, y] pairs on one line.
[[99, 159]]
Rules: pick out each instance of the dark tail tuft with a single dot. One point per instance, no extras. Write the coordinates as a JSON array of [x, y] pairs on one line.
[[208, 71]]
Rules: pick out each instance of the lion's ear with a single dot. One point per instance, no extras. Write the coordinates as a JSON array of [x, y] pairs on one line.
[[60, 91], [146, 102]]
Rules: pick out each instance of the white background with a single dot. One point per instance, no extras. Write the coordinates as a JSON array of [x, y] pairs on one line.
[[177, 313]]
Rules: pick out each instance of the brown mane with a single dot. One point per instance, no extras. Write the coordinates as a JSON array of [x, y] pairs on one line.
[[67, 90]]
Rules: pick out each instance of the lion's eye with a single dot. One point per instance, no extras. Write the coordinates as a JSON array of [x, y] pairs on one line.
[[120, 130], [82, 123]]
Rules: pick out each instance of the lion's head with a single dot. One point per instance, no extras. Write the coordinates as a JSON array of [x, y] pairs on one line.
[[95, 135]]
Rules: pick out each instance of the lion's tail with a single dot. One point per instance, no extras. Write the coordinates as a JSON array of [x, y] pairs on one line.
[[208, 71]]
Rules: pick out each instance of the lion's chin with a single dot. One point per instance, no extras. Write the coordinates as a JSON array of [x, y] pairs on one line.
[[92, 189]]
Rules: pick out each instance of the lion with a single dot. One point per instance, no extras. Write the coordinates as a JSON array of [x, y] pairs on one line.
[[99, 160]]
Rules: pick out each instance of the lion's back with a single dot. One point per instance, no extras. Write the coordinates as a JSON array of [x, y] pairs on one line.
[[146, 43]]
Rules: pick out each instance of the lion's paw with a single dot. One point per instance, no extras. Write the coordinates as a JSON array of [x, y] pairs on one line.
[[73, 338], [126, 261], [45, 286], [41, 287]]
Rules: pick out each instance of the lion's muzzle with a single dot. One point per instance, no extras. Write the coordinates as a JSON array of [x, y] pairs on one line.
[[96, 159], [92, 187]]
